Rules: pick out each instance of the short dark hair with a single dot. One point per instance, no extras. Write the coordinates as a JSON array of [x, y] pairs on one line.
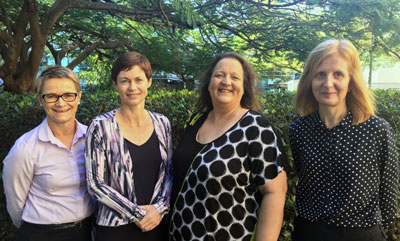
[[250, 85], [127, 60]]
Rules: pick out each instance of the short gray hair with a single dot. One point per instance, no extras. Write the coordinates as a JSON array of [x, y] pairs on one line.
[[55, 72]]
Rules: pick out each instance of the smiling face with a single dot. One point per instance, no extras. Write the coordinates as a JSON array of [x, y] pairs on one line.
[[60, 112], [331, 82], [226, 84], [132, 86]]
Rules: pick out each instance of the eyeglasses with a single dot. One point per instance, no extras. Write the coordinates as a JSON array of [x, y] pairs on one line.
[[53, 98]]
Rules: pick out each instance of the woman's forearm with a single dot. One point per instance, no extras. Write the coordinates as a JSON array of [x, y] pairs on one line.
[[271, 211], [270, 217]]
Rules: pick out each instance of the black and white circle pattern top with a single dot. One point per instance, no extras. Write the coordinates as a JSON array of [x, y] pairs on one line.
[[348, 175], [219, 198]]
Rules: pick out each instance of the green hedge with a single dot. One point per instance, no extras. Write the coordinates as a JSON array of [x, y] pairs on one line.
[[21, 113]]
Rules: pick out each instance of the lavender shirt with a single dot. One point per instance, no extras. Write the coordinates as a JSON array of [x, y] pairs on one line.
[[44, 181]]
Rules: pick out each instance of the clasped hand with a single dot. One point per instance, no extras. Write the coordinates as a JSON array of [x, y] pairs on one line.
[[151, 220]]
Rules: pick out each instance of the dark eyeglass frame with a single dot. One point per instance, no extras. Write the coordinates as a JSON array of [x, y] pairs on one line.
[[58, 97]]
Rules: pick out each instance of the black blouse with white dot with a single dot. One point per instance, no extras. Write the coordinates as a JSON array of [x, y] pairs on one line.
[[348, 175]]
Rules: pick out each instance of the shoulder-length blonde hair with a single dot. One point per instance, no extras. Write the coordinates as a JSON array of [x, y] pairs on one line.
[[359, 100]]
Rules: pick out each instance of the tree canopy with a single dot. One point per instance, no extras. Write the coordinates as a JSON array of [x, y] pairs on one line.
[[182, 36]]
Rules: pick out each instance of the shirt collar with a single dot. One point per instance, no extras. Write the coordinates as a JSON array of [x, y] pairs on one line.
[[346, 122], [80, 130], [45, 133]]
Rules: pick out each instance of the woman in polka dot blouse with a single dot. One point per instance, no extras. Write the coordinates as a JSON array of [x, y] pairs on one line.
[[229, 182], [344, 154]]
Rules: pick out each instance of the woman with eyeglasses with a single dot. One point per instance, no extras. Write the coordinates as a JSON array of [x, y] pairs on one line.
[[44, 172]]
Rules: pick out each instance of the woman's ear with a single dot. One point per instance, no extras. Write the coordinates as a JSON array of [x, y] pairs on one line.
[[39, 98], [80, 96]]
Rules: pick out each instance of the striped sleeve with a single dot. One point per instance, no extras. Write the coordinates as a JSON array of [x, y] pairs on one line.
[[97, 173], [164, 184]]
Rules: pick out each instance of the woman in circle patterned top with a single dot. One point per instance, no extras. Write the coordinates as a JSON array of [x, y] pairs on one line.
[[344, 154], [229, 182], [128, 159]]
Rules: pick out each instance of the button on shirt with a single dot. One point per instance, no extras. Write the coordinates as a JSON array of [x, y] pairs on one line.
[[348, 175], [44, 181]]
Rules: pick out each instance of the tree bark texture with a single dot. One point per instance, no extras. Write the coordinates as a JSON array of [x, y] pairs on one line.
[[23, 42]]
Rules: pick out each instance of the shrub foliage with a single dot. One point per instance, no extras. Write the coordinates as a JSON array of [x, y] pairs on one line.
[[21, 113]]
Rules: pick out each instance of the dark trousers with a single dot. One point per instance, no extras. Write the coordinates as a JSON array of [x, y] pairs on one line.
[[130, 232], [80, 231], [305, 230]]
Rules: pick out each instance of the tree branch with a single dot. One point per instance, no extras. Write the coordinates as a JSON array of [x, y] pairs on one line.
[[163, 13], [237, 33], [24, 54], [60, 6], [58, 55], [269, 5], [53, 14], [287, 67], [93, 47], [21, 25], [5, 37], [12, 52], [210, 3], [385, 47], [34, 23], [6, 20], [112, 7], [130, 25], [37, 41], [53, 51]]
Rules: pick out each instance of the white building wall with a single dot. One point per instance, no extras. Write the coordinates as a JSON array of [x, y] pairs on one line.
[[384, 78]]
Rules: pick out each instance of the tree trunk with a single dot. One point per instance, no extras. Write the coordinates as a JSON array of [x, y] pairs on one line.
[[371, 50], [24, 64], [20, 85]]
